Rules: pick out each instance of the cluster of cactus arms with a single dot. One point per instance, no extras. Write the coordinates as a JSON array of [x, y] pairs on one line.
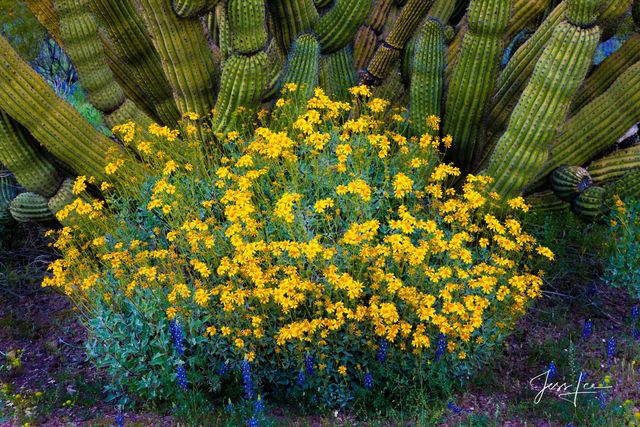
[[546, 123]]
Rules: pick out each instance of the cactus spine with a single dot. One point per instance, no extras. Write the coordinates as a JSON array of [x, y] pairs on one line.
[[341, 73], [193, 8], [339, 25], [427, 79], [291, 18], [247, 21], [474, 76], [522, 150]]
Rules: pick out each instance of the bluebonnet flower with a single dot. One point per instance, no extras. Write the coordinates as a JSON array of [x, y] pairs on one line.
[[611, 348], [119, 420], [587, 330], [602, 398], [308, 363], [368, 380], [253, 422], [176, 334], [552, 370], [634, 312], [259, 406], [442, 346], [383, 346], [248, 381], [570, 425], [455, 408], [229, 406], [182, 377], [223, 369], [301, 378], [636, 333]]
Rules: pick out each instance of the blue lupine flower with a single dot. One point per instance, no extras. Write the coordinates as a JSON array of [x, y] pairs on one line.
[[119, 420], [552, 370], [611, 348], [223, 369], [636, 333], [176, 334], [229, 406], [455, 408], [634, 312], [368, 380], [570, 425], [248, 381], [182, 377], [301, 378], [383, 346], [602, 397], [253, 422], [587, 330], [259, 406], [442, 346], [308, 363]]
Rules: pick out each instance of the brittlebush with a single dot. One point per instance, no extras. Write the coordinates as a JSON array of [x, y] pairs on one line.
[[322, 249]]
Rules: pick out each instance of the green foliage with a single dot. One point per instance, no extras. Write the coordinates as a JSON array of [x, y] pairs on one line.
[[18, 24]]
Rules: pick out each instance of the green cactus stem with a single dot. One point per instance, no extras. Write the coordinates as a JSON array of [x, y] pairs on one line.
[[28, 99], [341, 73], [8, 191], [291, 18], [63, 196], [247, 20], [79, 31], [590, 204], [473, 78], [243, 83], [193, 8], [569, 181], [546, 202], [522, 150], [186, 58], [625, 188], [30, 207], [31, 166], [427, 80], [613, 166], [607, 72], [598, 125], [340, 24], [45, 13]]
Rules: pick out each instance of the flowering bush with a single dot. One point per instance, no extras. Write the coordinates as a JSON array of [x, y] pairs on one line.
[[321, 257]]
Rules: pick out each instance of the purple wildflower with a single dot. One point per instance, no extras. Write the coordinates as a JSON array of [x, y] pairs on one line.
[[182, 377], [176, 334], [383, 346], [248, 381], [587, 330], [368, 380], [308, 363]]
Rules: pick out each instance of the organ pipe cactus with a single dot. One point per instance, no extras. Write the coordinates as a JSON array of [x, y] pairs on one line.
[[154, 60]]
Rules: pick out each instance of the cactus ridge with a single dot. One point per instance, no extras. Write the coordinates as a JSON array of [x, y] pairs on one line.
[[30, 207], [615, 165], [341, 73], [472, 81], [569, 181], [546, 202], [247, 20], [63, 196], [589, 205], [79, 31], [427, 79], [292, 18], [193, 8], [522, 150], [340, 24]]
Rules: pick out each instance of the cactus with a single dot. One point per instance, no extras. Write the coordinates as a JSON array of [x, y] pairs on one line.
[[8, 191], [339, 25], [589, 205], [243, 83], [30, 207], [615, 165], [366, 38], [130, 40], [472, 80], [193, 8], [569, 181], [522, 150], [341, 73], [546, 202], [18, 152], [607, 72], [427, 80], [185, 56], [597, 125], [28, 99], [292, 18], [79, 31], [628, 186], [45, 12], [247, 22], [63, 196]]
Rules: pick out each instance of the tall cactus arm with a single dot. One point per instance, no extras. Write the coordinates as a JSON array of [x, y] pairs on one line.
[[474, 77], [388, 52], [616, 164], [185, 56], [30, 165], [442, 10], [247, 20], [339, 25], [598, 125], [28, 99], [366, 38], [427, 80], [291, 18], [45, 12], [522, 150], [514, 77], [79, 31], [341, 73], [607, 72], [133, 46], [611, 15], [193, 8]]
